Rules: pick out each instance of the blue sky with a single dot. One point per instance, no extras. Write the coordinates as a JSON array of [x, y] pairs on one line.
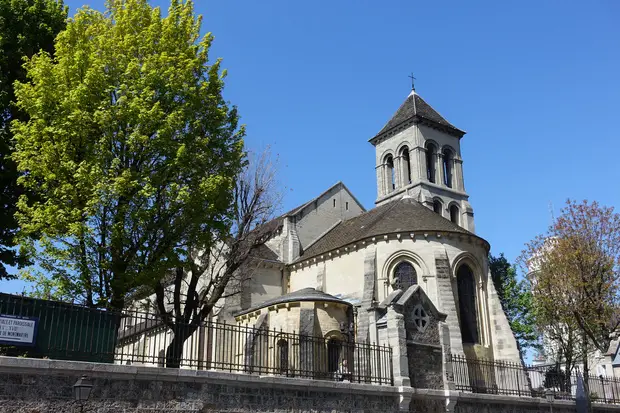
[[535, 84]]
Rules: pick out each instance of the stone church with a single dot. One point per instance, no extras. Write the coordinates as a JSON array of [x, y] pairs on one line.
[[333, 266]]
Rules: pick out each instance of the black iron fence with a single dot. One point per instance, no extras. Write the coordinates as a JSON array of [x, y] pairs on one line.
[[508, 378], [143, 338]]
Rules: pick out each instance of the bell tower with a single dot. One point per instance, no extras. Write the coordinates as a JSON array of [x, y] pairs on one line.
[[418, 153]]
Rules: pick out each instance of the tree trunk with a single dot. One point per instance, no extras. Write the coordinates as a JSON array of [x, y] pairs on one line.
[[584, 356], [174, 352]]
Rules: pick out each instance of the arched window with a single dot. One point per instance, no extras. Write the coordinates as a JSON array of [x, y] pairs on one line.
[[282, 356], [334, 348], [454, 214], [467, 304], [447, 167], [404, 276], [391, 176], [437, 207], [406, 165], [430, 162]]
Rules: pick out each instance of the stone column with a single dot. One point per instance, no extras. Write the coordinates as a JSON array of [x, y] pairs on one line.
[[363, 355], [306, 342], [446, 350], [469, 214], [439, 169], [380, 181], [397, 338], [398, 172], [320, 277], [419, 166], [483, 312], [458, 169], [452, 176], [447, 301], [368, 294]]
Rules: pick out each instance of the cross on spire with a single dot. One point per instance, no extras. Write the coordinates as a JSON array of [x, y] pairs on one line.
[[412, 81]]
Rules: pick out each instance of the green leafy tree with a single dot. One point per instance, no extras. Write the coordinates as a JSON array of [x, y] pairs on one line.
[[26, 26], [130, 147], [516, 299]]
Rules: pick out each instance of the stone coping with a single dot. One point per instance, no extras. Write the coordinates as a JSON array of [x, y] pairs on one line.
[[103, 370]]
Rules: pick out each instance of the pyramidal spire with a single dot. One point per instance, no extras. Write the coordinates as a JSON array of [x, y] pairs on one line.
[[414, 107]]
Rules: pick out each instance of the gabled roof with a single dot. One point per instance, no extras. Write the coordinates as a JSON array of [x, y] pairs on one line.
[[278, 222], [399, 299], [403, 215], [416, 108], [305, 294]]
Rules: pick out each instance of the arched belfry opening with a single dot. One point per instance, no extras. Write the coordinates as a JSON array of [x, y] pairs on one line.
[[390, 173], [437, 207], [406, 165], [448, 160], [431, 155], [454, 214]]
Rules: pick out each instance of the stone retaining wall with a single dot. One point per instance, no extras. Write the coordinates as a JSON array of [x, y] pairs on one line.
[[40, 386], [32, 385]]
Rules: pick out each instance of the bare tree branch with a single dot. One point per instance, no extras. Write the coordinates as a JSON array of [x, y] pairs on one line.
[[217, 271]]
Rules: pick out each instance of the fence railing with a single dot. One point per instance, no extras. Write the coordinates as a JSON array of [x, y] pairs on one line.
[[508, 378], [140, 338]]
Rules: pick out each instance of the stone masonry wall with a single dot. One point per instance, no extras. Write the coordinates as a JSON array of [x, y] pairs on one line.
[[425, 369], [37, 386], [45, 386]]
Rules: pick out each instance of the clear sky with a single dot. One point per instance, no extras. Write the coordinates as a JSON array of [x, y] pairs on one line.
[[535, 84]]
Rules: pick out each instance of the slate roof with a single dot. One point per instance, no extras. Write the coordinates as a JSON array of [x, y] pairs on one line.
[[305, 294], [414, 106], [403, 215], [263, 252]]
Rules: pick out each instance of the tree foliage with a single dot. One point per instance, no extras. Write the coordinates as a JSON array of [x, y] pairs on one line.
[[131, 148], [26, 26], [516, 300], [575, 274]]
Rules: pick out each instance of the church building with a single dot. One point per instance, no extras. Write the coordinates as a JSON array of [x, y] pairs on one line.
[[333, 268]]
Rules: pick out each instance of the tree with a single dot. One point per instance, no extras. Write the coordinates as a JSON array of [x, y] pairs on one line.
[[130, 147], [516, 300], [560, 338], [555, 378], [26, 26], [577, 276], [195, 289]]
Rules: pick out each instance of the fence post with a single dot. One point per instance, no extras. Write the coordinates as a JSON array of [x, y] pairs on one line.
[[391, 366], [518, 370]]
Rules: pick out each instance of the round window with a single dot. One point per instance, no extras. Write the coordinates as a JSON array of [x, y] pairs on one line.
[[420, 318]]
